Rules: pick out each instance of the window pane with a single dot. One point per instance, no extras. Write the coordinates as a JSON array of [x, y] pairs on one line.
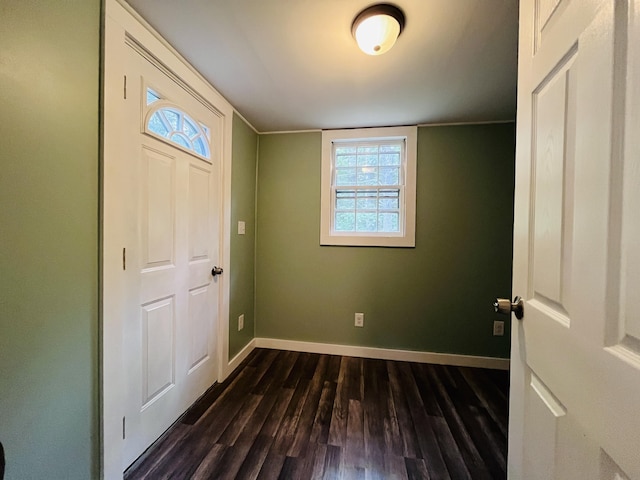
[[366, 222], [388, 222], [345, 204], [368, 176], [392, 148], [200, 147], [389, 176], [343, 150], [172, 117], [390, 159], [345, 222], [189, 128], [345, 200], [345, 176], [345, 161], [181, 140], [367, 149], [368, 160], [156, 125], [367, 199], [152, 96], [206, 130], [389, 199]]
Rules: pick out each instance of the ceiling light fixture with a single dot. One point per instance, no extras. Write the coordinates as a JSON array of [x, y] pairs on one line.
[[377, 28]]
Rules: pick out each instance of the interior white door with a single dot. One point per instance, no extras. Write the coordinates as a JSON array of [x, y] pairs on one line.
[[575, 381], [172, 215]]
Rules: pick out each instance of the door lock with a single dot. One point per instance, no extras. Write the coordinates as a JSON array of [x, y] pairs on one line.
[[506, 306]]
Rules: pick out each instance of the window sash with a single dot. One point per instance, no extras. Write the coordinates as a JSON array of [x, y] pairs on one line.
[[366, 158], [377, 209]]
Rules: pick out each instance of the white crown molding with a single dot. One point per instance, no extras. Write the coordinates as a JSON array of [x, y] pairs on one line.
[[282, 132], [460, 124]]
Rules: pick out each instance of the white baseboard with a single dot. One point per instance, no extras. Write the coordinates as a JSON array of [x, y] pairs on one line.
[[237, 360], [380, 353]]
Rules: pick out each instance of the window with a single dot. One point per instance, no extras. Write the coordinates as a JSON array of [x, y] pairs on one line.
[[369, 187], [170, 123]]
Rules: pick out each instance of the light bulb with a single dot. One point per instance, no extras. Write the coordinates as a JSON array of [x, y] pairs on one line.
[[377, 34]]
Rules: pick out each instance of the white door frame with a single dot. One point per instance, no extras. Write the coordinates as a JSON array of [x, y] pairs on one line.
[[121, 20]]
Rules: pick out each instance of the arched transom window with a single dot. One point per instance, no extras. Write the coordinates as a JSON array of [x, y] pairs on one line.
[[172, 124]]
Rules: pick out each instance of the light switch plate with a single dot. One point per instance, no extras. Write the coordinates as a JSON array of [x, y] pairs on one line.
[[241, 228]]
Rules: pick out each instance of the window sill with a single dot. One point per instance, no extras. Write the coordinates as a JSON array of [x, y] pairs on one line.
[[368, 241]]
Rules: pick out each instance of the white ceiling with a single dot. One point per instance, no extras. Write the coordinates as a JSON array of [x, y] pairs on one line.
[[293, 64]]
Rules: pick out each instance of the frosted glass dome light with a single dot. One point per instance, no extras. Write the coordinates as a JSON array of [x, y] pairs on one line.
[[377, 28]]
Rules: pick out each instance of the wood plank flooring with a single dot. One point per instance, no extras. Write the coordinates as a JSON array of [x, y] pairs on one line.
[[289, 415]]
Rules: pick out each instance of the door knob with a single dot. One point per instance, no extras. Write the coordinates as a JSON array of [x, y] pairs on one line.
[[216, 271], [506, 306]]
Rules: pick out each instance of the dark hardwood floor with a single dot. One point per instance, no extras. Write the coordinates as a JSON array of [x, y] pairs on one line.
[[304, 416]]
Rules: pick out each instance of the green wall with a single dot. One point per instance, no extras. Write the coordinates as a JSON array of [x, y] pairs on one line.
[[49, 124], [243, 207], [436, 297]]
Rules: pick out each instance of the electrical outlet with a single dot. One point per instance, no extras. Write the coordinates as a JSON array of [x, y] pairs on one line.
[[498, 328], [241, 228], [241, 322], [359, 320]]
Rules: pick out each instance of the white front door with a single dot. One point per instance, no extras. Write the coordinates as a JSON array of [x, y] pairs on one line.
[[170, 206], [575, 382]]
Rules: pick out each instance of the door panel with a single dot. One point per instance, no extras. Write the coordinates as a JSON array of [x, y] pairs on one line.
[[158, 341], [158, 209], [575, 363], [545, 418], [199, 205], [199, 327], [625, 325], [552, 203]]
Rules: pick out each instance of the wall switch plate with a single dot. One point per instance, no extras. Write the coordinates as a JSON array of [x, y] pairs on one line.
[[241, 322], [498, 328], [359, 320], [241, 228]]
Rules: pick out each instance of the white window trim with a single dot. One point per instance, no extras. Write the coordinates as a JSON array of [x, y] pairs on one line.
[[407, 238]]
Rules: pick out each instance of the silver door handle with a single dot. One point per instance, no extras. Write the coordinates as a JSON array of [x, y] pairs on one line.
[[506, 306]]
